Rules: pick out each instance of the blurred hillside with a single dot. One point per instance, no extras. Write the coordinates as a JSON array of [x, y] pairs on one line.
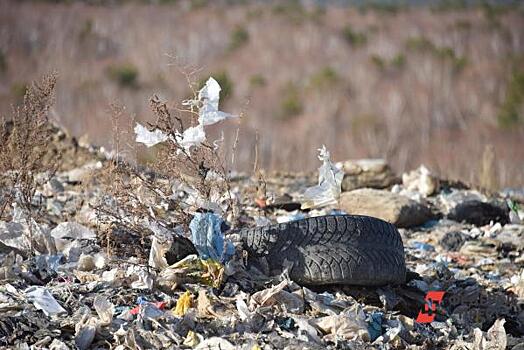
[[439, 85]]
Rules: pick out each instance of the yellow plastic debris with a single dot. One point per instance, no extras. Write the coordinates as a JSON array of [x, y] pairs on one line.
[[208, 271], [183, 304], [256, 347], [214, 272]]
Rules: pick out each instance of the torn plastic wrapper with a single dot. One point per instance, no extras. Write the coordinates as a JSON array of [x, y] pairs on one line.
[[149, 138], [276, 295], [191, 269], [209, 95], [495, 339], [192, 339], [85, 331], [142, 279], [70, 239], [43, 300], [349, 325], [183, 304], [192, 136], [25, 235], [161, 243], [208, 114], [215, 343], [208, 238], [193, 200], [105, 310], [329, 184]]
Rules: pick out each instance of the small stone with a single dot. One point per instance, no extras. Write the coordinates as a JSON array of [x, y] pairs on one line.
[[86, 263]]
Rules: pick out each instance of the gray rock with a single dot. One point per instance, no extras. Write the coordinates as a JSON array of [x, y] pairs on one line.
[[370, 173], [480, 213], [396, 209]]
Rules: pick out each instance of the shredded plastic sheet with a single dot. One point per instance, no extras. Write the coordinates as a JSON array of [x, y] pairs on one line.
[[43, 300], [209, 96], [85, 331], [192, 339], [192, 136], [208, 114], [208, 238], [149, 138], [276, 295], [191, 269], [496, 337], [23, 233], [349, 325], [161, 243], [105, 309], [329, 184]]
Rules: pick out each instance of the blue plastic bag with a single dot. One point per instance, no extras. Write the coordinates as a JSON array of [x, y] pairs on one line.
[[208, 239]]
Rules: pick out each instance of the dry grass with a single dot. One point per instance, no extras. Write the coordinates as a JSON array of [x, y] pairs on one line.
[[25, 140]]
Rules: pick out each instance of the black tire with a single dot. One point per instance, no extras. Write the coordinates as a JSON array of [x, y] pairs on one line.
[[334, 249]]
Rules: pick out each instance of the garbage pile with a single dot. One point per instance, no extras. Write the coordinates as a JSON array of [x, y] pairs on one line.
[[161, 265], [62, 289]]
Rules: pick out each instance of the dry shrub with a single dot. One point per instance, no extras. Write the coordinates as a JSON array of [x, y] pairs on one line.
[[25, 139], [139, 196]]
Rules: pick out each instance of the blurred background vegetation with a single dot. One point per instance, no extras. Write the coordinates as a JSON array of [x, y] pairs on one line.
[[433, 82]]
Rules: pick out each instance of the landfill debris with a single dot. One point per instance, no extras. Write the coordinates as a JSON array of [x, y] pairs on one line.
[[43, 300], [209, 97], [207, 103], [149, 138], [183, 304], [82, 282], [160, 245], [206, 234], [329, 184], [421, 180]]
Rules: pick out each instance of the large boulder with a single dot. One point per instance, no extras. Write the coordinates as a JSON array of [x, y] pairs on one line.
[[394, 208], [371, 173]]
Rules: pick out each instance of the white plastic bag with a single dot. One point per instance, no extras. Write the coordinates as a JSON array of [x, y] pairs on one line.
[[329, 184], [149, 138]]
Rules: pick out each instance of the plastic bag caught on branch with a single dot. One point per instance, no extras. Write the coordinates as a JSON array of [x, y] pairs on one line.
[[209, 97], [208, 114], [149, 138], [329, 184]]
